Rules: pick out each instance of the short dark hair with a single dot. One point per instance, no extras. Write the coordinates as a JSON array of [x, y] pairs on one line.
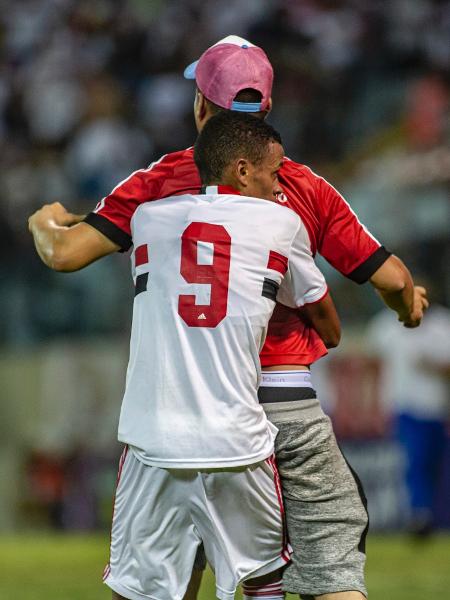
[[228, 136]]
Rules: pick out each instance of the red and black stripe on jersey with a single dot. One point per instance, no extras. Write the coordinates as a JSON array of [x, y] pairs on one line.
[[141, 258], [277, 262]]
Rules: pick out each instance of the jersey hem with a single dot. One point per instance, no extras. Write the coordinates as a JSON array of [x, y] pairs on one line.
[[201, 464], [291, 359], [124, 591]]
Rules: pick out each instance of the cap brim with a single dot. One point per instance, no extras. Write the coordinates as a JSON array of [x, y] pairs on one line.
[[189, 72]]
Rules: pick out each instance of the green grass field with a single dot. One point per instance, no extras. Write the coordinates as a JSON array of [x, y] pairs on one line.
[[52, 567]]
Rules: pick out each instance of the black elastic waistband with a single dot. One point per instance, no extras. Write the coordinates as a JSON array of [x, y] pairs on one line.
[[285, 394]]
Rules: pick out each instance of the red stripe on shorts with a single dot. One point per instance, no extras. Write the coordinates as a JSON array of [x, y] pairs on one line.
[[106, 572], [107, 569], [286, 551]]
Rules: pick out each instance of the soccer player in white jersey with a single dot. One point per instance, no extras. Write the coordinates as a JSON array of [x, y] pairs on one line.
[[198, 464]]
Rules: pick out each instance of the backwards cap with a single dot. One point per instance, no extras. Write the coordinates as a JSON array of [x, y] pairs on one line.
[[230, 66]]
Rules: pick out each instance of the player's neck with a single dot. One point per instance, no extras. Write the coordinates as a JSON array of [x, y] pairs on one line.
[[214, 188]]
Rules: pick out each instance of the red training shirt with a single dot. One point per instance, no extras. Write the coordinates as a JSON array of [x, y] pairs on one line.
[[333, 228]]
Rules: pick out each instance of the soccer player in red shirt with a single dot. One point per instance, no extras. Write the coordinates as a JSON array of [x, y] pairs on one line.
[[325, 505]]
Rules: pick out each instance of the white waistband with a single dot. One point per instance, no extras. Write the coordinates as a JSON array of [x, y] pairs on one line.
[[285, 379]]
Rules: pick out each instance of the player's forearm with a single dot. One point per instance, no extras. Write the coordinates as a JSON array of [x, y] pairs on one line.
[[325, 320], [64, 242], [51, 242], [400, 301], [68, 249], [394, 284]]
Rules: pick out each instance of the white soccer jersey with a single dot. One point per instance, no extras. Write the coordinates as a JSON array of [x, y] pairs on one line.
[[207, 269]]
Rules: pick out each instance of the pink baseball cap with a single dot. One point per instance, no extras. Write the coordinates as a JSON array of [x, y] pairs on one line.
[[231, 65]]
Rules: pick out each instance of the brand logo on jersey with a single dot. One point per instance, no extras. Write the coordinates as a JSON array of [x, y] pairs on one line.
[[282, 198], [202, 316]]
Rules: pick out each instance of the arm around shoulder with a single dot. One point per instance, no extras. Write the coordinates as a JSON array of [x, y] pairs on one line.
[[322, 315], [310, 291], [64, 242]]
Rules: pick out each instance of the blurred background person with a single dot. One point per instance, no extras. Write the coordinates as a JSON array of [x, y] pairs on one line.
[[416, 385]]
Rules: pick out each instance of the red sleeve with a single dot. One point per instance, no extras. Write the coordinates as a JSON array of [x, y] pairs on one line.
[[171, 175], [112, 215], [336, 233], [344, 241]]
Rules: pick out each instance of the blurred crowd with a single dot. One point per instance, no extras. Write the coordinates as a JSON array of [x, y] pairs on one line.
[[91, 90]]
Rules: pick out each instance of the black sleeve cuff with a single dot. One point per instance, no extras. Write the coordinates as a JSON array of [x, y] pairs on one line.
[[365, 270], [107, 227]]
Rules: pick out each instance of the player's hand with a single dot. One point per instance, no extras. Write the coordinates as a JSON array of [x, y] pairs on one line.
[[420, 305], [55, 213]]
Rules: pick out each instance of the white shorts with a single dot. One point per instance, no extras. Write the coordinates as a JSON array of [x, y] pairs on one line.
[[162, 515]]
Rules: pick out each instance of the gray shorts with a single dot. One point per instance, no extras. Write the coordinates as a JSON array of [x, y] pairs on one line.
[[325, 505]]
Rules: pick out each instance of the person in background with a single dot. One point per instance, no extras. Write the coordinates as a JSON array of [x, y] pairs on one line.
[[416, 383]]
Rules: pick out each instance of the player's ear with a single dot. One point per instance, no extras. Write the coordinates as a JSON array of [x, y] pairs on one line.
[[242, 169], [200, 110]]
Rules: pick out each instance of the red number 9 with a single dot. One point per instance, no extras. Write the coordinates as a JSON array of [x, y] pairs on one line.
[[215, 274]]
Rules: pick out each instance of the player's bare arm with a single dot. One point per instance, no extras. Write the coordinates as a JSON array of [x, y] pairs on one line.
[[324, 319], [395, 285], [64, 242]]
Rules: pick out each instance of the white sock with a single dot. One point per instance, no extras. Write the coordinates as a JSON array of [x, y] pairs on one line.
[[270, 591]]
